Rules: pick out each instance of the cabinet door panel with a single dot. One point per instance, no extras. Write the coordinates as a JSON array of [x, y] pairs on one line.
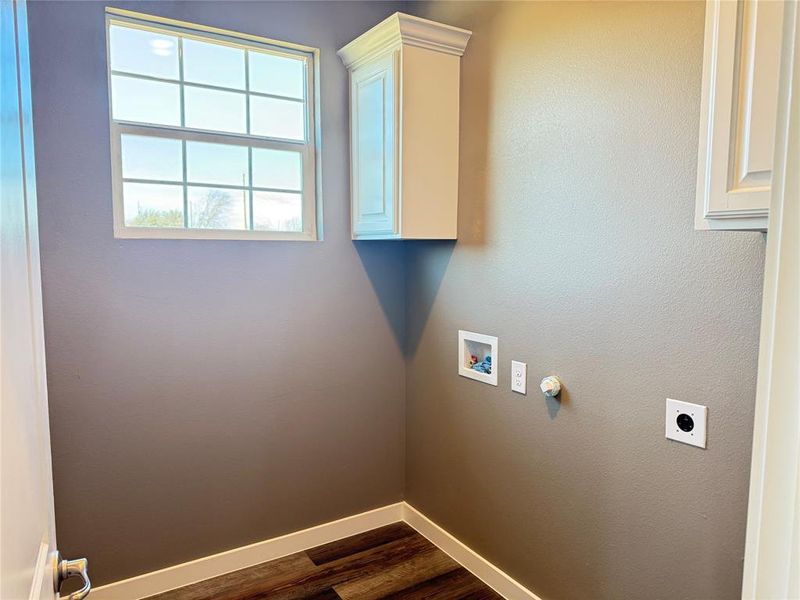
[[738, 114], [373, 97]]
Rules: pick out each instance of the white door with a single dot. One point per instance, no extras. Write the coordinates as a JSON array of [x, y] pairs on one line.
[[772, 551], [28, 561]]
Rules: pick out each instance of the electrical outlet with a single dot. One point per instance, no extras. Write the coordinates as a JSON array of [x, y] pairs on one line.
[[519, 377], [686, 422]]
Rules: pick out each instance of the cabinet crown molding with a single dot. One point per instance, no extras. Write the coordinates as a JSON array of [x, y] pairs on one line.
[[402, 29]]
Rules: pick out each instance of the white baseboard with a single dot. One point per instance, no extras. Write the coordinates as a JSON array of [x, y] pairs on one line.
[[246, 556], [469, 559], [177, 576]]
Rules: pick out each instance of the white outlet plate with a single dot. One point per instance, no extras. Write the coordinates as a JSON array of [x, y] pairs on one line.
[[519, 377], [694, 417]]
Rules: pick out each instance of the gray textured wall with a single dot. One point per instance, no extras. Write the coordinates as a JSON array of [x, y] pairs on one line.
[[207, 394], [576, 247]]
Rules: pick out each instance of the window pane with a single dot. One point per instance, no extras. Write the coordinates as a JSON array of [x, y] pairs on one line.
[[277, 118], [278, 75], [150, 205], [275, 211], [145, 101], [145, 157], [213, 208], [215, 110], [144, 52], [277, 169], [216, 163], [213, 64]]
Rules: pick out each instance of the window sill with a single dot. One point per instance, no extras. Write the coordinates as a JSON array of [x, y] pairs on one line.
[[155, 233]]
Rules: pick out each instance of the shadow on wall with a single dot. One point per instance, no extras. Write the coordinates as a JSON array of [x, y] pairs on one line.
[[384, 263], [427, 264], [554, 404]]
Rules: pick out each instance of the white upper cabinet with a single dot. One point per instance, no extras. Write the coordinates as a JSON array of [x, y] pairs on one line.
[[738, 113], [404, 92]]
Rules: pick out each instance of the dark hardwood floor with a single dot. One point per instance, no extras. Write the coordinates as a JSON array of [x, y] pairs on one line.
[[390, 562]]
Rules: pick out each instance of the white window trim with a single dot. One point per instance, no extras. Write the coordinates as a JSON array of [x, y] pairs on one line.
[[312, 176]]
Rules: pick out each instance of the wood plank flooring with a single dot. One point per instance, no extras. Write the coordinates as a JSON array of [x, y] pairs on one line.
[[391, 562]]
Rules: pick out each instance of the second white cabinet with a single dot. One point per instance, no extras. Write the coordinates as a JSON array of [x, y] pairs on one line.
[[738, 115], [404, 119]]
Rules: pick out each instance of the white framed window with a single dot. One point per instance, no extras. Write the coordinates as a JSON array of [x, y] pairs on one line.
[[214, 135]]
